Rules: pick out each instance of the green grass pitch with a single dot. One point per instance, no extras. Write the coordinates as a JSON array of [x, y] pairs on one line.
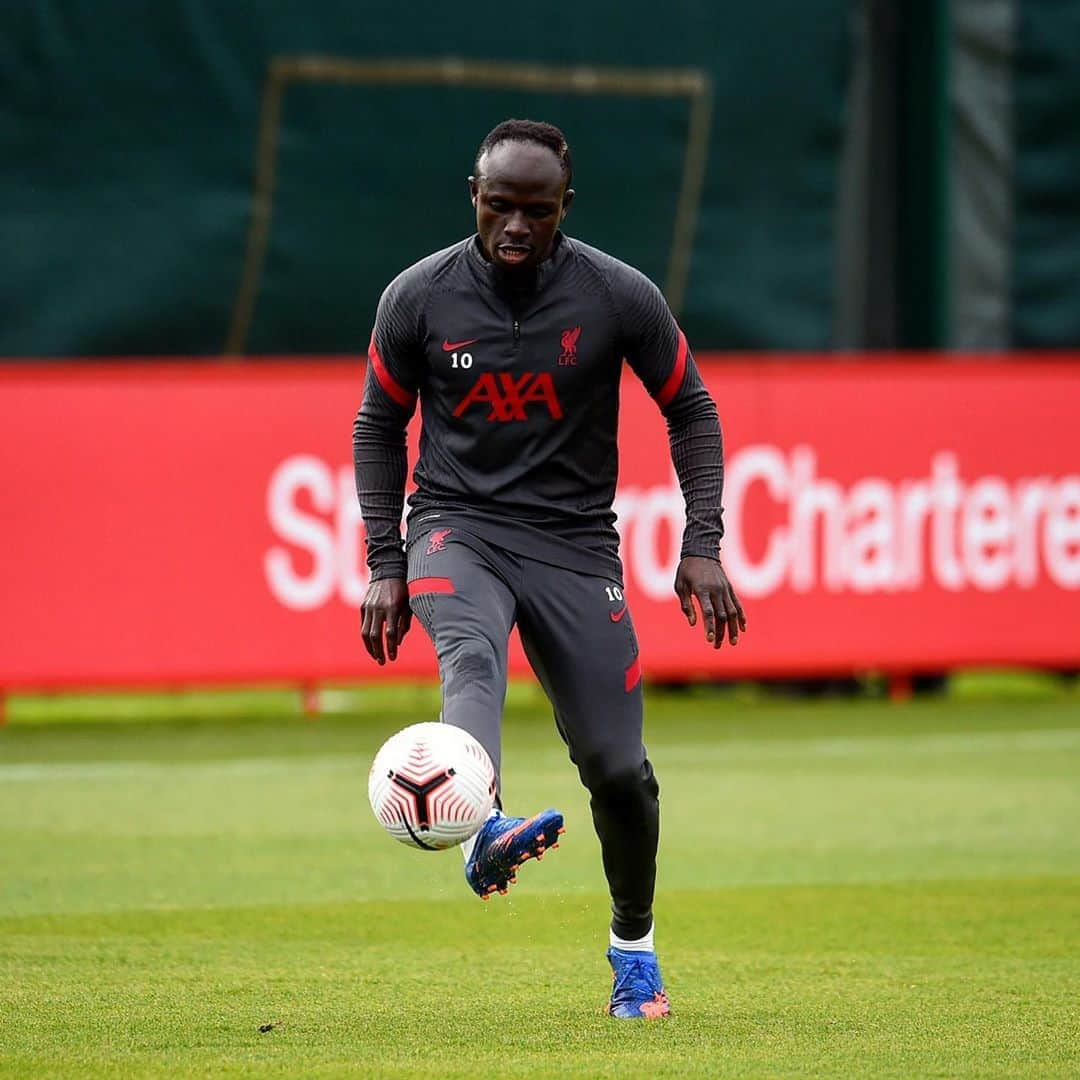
[[846, 889]]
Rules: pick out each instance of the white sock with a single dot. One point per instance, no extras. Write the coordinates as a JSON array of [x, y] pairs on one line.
[[467, 847], [643, 944]]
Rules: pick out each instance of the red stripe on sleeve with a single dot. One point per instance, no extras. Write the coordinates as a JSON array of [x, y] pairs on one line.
[[633, 674], [393, 388], [671, 387], [431, 585]]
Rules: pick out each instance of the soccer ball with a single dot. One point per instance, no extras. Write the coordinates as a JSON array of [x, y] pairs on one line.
[[431, 786]]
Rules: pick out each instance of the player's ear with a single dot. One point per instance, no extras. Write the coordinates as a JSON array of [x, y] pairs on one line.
[[474, 189], [567, 199]]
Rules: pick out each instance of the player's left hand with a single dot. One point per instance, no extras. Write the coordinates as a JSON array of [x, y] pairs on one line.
[[705, 580]]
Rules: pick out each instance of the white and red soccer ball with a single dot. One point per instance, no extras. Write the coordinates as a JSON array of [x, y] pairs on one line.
[[431, 786]]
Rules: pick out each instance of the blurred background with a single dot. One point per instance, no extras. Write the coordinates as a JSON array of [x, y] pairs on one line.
[[866, 216], [192, 178], [819, 189]]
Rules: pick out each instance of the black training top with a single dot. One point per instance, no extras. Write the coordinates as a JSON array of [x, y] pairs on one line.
[[518, 381]]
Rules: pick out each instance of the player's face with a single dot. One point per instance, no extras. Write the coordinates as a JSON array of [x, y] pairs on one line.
[[520, 197]]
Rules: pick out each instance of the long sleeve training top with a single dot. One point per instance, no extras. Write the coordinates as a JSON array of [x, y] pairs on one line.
[[518, 384]]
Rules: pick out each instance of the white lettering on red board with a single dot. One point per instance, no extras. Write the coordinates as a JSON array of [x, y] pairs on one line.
[[879, 535], [872, 536], [322, 553]]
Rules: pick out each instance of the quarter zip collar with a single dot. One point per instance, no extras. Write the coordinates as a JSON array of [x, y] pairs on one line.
[[519, 288]]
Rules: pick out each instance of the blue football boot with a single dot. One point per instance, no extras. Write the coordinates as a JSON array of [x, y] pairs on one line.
[[504, 843], [638, 992]]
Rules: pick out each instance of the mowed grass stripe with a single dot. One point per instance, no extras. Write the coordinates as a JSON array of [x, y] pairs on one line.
[[945, 978], [950, 915], [298, 829], [733, 750], [845, 889]]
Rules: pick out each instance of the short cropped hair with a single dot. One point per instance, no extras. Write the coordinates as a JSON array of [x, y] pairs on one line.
[[533, 131]]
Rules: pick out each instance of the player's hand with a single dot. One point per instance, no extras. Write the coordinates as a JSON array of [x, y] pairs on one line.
[[705, 580], [385, 610]]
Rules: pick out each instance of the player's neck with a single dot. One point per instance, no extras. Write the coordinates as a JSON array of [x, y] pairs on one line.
[[515, 282]]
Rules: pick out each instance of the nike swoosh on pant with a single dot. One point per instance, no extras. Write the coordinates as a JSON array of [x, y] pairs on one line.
[[615, 616]]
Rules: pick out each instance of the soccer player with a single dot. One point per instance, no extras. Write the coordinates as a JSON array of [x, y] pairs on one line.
[[514, 340]]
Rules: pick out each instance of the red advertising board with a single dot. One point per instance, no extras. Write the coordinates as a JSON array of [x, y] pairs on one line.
[[188, 523]]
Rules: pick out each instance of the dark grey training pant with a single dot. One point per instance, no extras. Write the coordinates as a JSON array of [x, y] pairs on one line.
[[580, 641]]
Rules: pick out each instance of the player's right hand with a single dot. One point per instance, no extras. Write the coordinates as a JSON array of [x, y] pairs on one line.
[[385, 612]]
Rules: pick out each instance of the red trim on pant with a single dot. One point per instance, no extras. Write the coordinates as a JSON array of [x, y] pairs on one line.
[[431, 585], [633, 674]]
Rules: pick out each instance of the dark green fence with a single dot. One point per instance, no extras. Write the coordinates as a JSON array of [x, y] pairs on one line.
[[192, 177], [1046, 245]]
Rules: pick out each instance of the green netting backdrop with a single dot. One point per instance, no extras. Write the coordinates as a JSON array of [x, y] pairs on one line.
[[1046, 224], [128, 134]]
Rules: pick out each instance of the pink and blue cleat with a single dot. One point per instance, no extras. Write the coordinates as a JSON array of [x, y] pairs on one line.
[[504, 843], [638, 992]]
